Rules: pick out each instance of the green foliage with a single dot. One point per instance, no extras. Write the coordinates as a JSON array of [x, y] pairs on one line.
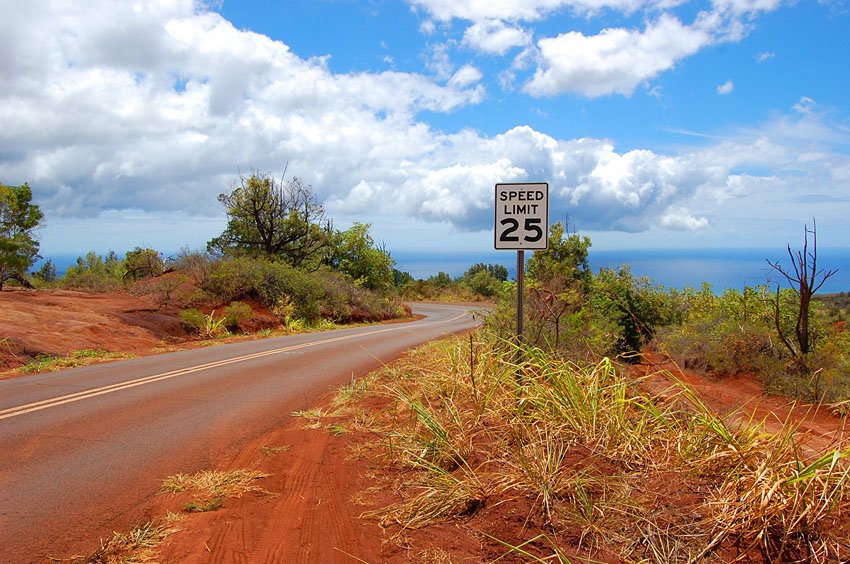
[[566, 260], [401, 279], [736, 332], [94, 273], [46, 273], [18, 220], [483, 283], [206, 325], [311, 295], [356, 255], [234, 314], [273, 220], [635, 305], [497, 271], [143, 263]]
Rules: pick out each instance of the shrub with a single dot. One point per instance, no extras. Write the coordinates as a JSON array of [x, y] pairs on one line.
[[235, 313], [206, 325], [94, 273]]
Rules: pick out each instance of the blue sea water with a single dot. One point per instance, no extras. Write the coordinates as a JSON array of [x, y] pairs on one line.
[[722, 268]]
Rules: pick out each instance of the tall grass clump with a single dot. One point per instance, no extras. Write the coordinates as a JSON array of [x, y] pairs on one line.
[[476, 429]]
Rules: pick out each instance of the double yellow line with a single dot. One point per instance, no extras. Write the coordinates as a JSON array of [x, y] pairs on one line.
[[44, 404]]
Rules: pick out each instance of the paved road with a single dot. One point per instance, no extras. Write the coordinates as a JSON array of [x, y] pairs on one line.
[[83, 449]]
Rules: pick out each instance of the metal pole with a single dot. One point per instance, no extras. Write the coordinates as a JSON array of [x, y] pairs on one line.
[[520, 291]]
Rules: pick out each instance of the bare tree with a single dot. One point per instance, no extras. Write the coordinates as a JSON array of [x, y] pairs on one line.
[[805, 280]]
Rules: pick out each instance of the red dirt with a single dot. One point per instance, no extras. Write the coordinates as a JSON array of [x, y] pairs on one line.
[[743, 399], [320, 489], [58, 322]]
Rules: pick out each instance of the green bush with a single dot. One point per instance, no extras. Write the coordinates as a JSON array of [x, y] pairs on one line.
[[235, 313], [312, 295], [95, 273]]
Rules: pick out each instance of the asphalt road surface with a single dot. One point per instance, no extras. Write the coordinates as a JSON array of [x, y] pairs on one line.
[[83, 449]]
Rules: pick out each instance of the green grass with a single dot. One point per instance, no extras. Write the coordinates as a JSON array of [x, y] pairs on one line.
[[599, 466], [47, 363]]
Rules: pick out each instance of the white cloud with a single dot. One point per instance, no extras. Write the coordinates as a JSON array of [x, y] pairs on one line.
[[682, 219], [164, 128], [805, 105], [525, 10], [465, 76], [726, 88], [765, 56], [615, 60], [493, 36]]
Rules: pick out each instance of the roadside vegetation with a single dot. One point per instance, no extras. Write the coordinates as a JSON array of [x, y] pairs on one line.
[[542, 459]]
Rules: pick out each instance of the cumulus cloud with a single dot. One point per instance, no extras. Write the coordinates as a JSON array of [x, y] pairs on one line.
[[616, 60], [161, 127], [493, 36]]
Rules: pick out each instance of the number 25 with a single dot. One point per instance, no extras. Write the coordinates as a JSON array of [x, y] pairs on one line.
[[532, 225]]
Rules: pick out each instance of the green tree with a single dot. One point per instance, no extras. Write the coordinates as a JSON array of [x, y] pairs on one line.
[[559, 280], [18, 219], [497, 271], [95, 273], [47, 272], [356, 255], [565, 259], [401, 278], [273, 219], [143, 263]]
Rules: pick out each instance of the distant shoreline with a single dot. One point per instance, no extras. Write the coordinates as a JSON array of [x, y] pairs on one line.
[[673, 268]]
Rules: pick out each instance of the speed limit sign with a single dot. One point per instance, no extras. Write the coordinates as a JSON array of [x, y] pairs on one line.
[[522, 216]]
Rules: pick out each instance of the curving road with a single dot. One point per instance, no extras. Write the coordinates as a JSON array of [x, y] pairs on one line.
[[84, 449]]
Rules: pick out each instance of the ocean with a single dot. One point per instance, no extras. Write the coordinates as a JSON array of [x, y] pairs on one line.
[[722, 268]]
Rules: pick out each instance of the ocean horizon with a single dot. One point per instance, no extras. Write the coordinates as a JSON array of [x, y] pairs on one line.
[[679, 268]]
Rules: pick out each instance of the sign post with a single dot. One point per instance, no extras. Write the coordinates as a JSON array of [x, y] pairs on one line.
[[522, 222]]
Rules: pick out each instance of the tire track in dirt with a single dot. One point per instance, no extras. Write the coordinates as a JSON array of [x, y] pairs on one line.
[[307, 517]]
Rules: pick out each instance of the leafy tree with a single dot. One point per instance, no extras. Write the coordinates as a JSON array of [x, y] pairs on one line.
[[559, 280], [47, 272], [274, 219], [441, 280], [356, 255], [18, 219], [497, 271], [565, 259], [143, 263], [95, 273], [401, 278], [484, 283]]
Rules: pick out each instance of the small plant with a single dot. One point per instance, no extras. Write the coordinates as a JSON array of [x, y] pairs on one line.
[[233, 314], [202, 506], [212, 487], [48, 363], [271, 451], [138, 545], [207, 325]]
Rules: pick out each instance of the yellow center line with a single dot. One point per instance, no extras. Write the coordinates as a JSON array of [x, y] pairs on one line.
[[77, 396]]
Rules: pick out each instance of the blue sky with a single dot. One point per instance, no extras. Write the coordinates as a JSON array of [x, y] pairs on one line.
[[657, 123]]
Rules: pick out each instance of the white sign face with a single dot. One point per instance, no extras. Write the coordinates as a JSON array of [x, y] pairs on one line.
[[522, 216]]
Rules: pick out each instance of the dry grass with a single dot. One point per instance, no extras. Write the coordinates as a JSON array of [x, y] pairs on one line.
[[599, 467], [211, 487], [137, 546]]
